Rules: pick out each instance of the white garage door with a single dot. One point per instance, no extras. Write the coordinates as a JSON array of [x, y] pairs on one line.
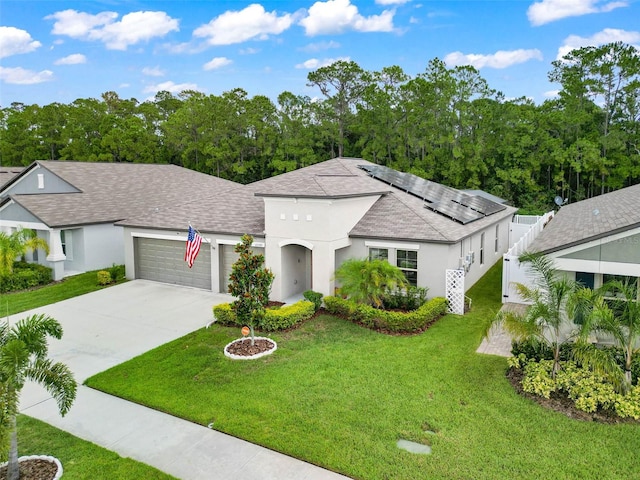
[[163, 261], [228, 258]]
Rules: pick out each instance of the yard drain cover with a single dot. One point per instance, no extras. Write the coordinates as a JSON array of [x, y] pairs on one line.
[[414, 447]]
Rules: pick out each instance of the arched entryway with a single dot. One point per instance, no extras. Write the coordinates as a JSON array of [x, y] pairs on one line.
[[296, 269]]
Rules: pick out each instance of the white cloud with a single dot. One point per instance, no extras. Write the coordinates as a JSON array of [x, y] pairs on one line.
[[608, 35], [500, 59], [248, 51], [392, 2], [337, 16], [21, 76], [73, 59], [169, 86], [14, 41], [547, 11], [314, 63], [153, 72], [551, 93], [133, 28], [253, 22], [320, 46], [217, 62]]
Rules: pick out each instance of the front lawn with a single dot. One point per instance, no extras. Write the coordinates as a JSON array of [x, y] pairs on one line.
[[80, 459], [16, 302], [340, 396]]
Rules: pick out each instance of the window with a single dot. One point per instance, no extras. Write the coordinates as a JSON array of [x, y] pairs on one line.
[[66, 237], [496, 246], [40, 181], [407, 261], [378, 254], [631, 281], [482, 248]]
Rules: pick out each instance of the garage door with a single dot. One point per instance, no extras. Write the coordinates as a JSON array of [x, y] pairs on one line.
[[163, 261], [228, 258]]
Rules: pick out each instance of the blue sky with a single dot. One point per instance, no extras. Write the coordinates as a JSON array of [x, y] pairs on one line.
[[54, 51]]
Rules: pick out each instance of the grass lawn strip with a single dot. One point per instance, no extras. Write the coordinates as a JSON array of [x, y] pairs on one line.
[[16, 302], [80, 459], [340, 396]]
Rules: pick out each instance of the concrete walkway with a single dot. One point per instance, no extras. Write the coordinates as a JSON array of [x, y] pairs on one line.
[[105, 328], [498, 342]]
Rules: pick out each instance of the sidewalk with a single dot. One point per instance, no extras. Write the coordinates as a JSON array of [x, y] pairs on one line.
[[107, 327]]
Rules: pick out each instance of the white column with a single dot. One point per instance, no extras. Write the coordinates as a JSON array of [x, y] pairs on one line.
[[56, 256]]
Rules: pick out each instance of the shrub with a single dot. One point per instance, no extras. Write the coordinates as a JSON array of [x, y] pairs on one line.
[[406, 299], [274, 319], [116, 272], [536, 351], [25, 275], [104, 277], [313, 297], [287, 316], [399, 322]]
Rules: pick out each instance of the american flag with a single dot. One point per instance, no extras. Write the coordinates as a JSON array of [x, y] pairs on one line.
[[193, 246]]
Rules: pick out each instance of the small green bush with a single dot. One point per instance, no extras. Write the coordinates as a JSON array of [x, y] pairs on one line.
[[275, 318], [25, 275], [536, 351], [104, 277], [314, 297], [410, 298], [116, 272], [398, 322]]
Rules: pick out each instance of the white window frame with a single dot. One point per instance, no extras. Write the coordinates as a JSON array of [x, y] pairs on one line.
[[407, 269]]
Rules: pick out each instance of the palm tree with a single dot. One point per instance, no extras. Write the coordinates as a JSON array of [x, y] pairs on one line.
[[23, 356], [367, 281], [545, 321], [17, 244], [612, 310]]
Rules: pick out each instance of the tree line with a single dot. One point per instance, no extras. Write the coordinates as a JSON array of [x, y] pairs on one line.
[[444, 124]]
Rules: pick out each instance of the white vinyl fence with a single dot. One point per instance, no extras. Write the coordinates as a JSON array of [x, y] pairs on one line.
[[522, 231]]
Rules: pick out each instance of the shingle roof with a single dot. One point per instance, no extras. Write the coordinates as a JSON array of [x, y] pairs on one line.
[[115, 191], [395, 215], [8, 173], [591, 219]]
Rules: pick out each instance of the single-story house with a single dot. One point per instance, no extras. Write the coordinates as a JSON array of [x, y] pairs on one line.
[[308, 221], [596, 240], [74, 205]]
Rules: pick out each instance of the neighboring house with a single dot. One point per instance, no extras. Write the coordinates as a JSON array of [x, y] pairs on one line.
[[596, 240], [308, 221], [7, 173], [74, 205]]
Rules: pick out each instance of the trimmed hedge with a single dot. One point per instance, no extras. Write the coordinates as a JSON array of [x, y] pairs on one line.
[[274, 319], [397, 322], [24, 276]]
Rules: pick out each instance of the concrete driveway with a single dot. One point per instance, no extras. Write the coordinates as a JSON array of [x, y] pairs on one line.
[[107, 327]]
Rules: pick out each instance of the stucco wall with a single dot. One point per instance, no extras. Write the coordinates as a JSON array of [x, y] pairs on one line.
[[30, 184]]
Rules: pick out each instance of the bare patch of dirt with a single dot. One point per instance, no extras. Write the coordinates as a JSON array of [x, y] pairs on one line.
[[35, 469], [561, 403], [244, 348]]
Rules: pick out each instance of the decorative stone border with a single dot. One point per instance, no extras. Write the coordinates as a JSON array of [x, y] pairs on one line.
[[47, 458], [250, 357]]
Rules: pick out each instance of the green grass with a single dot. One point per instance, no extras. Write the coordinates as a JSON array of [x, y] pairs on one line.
[[12, 303], [80, 459], [340, 396]]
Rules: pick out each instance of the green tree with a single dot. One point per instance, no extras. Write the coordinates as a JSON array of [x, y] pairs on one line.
[[18, 244], [546, 319], [250, 283], [367, 281], [23, 356], [612, 310]]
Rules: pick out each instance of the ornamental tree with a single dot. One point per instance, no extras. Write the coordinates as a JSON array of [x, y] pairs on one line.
[[250, 283]]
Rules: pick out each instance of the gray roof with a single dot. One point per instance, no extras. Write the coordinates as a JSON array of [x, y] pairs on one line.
[[114, 191], [395, 215], [8, 173], [591, 219]]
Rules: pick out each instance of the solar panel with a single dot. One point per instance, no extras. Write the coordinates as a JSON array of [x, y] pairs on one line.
[[447, 201], [455, 211]]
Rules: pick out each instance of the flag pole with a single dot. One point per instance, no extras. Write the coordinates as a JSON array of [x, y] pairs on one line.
[[201, 235]]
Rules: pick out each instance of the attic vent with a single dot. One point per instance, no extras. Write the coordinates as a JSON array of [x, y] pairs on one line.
[[41, 181]]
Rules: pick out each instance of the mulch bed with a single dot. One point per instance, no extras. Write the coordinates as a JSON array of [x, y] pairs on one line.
[[243, 348], [33, 470], [561, 403]]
